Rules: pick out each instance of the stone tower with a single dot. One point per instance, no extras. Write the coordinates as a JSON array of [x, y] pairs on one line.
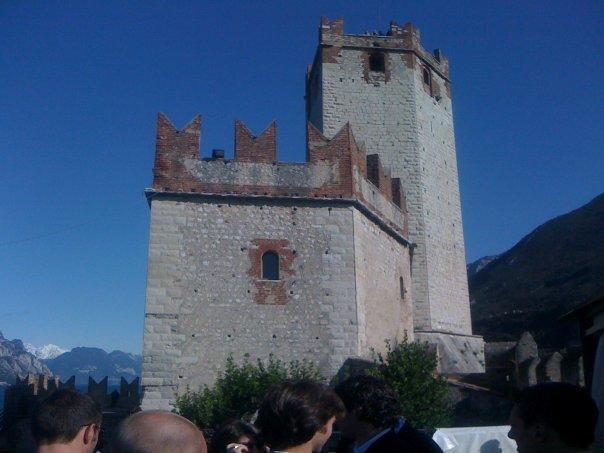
[[397, 98]]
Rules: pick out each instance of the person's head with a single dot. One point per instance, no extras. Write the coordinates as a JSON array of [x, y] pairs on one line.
[[370, 405], [157, 432], [239, 432], [553, 416], [69, 418], [297, 413]]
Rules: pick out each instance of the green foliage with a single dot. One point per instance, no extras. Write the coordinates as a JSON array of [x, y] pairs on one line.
[[410, 370], [239, 390]]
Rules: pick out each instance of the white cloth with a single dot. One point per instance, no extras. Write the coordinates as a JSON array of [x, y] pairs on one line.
[[482, 439]]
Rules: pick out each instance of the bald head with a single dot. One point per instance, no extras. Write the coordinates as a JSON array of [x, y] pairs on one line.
[[155, 432]]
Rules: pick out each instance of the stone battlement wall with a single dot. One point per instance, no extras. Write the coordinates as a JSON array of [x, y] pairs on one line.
[[338, 169]]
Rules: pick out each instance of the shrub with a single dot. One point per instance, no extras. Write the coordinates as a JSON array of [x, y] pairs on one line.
[[239, 389], [410, 370]]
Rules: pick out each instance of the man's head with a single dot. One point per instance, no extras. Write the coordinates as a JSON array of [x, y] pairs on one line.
[[157, 432], [370, 405], [553, 416], [69, 418], [297, 413]]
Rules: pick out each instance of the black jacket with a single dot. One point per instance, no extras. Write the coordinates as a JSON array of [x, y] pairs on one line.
[[408, 439]]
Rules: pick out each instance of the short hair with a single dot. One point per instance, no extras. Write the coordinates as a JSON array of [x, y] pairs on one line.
[[293, 412], [232, 431], [567, 409], [60, 416], [370, 399]]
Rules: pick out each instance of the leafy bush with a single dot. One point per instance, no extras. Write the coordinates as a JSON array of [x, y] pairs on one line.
[[410, 370], [239, 390]]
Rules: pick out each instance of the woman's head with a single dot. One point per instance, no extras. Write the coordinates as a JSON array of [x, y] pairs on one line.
[[298, 412]]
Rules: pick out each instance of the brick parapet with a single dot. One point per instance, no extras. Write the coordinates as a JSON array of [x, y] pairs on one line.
[[335, 168], [249, 148]]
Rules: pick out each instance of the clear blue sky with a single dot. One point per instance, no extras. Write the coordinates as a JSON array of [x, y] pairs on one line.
[[81, 83]]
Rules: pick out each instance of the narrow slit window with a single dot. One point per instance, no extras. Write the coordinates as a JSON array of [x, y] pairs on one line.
[[402, 287], [270, 266], [377, 63]]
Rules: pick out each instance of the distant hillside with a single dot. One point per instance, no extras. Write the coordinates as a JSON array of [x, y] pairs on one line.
[[549, 272], [83, 362], [16, 361]]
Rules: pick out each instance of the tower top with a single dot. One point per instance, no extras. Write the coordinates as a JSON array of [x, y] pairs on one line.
[[398, 38]]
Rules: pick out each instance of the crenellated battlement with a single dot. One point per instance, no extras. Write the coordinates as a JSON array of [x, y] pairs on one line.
[[249, 148], [336, 168], [406, 39]]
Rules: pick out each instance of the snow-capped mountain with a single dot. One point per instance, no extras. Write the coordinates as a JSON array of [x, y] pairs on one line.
[[48, 351]]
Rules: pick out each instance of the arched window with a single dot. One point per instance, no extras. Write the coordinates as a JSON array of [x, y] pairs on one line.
[[270, 266]]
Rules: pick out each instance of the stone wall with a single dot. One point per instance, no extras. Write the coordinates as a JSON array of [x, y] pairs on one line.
[[383, 288], [213, 305]]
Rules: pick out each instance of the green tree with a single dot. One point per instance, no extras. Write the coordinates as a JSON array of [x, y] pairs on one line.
[[410, 370], [239, 389]]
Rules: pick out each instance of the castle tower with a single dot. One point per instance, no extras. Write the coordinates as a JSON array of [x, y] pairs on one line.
[[397, 98], [254, 256]]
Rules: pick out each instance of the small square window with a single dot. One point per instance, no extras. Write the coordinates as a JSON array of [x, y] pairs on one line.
[[377, 62]]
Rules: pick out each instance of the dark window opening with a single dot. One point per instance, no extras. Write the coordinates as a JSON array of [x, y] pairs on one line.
[[402, 287], [427, 76], [270, 266], [377, 62]]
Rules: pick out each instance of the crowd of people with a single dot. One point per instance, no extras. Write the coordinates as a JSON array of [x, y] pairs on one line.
[[300, 417]]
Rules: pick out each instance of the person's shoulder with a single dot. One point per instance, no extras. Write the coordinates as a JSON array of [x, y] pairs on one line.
[[421, 441], [408, 439]]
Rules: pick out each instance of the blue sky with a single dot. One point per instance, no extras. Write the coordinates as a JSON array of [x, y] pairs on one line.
[[81, 83]]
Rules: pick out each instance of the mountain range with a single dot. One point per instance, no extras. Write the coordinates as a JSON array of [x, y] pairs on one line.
[[17, 359], [82, 362], [552, 270]]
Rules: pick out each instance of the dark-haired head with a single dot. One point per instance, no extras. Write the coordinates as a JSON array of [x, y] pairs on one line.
[[370, 400], [236, 431], [553, 415], [64, 415], [298, 412]]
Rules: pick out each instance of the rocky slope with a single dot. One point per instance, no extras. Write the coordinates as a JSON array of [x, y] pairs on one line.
[[552, 270], [16, 361], [479, 264]]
